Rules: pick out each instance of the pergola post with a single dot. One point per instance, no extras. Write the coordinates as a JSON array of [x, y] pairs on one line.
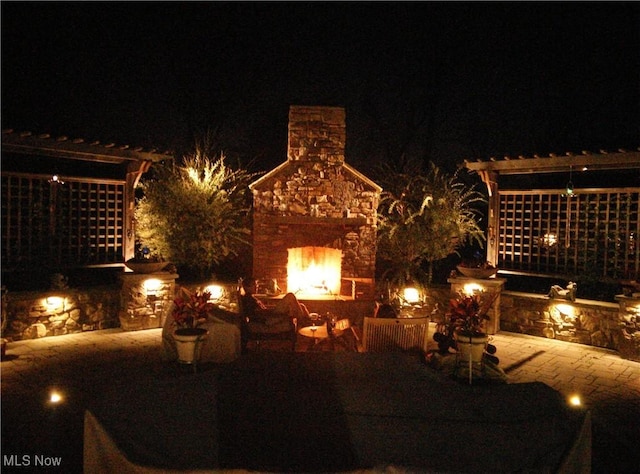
[[135, 170], [490, 179]]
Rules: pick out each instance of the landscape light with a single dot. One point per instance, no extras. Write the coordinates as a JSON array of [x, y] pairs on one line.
[[55, 397], [411, 295], [569, 186], [216, 291], [575, 401]]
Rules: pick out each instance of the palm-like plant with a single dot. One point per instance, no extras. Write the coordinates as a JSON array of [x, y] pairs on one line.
[[196, 213], [424, 217]]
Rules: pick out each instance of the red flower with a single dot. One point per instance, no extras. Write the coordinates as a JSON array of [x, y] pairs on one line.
[[192, 309], [467, 313]]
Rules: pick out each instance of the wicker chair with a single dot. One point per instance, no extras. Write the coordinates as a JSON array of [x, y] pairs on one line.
[[397, 334]]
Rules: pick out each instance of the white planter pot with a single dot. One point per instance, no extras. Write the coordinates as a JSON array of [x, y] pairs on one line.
[[471, 348], [189, 344]]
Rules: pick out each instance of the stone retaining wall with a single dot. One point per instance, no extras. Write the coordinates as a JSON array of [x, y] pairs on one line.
[[32, 315], [595, 323], [613, 326]]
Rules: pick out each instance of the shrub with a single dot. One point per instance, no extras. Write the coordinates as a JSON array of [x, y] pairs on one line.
[[195, 214], [423, 218]]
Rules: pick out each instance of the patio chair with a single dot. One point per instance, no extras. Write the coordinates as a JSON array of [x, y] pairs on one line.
[[258, 332], [398, 334]]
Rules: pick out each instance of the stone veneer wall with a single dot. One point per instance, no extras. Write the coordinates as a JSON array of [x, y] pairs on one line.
[[33, 314], [30, 315], [141, 306], [608, 325], [595, 323], [314, 199]]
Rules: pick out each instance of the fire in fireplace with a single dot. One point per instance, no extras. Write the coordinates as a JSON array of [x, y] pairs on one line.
[[313, 271]]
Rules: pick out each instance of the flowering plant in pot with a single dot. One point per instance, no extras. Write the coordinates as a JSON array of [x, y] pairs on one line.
[[190, 309], [463, 332], [466, 316], [465, 319]]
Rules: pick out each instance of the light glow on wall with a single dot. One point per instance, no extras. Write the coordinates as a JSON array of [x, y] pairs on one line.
[[217, 292], [152, 284], [471, 289], [54, 303], [412, 295], [566, 310]]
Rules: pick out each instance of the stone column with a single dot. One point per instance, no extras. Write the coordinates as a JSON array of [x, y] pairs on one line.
[[629, 320], [143, 299]]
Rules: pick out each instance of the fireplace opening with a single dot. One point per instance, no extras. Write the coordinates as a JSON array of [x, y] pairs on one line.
[[314, 271]]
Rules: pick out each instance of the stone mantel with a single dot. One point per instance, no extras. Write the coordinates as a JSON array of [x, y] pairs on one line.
[[308, 220]]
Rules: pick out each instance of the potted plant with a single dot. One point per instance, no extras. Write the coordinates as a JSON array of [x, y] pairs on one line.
[[463, 329], [190, 309], [145, 261]]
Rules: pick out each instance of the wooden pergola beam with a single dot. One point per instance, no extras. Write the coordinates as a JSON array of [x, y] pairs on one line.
[[557, 163], [77, 149]]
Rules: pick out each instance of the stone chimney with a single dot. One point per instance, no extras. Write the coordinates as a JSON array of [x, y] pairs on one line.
[[315, 199], [317, 134]]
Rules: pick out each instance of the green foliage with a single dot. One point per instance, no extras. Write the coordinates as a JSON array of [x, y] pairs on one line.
[[423, 218], [195, 214]]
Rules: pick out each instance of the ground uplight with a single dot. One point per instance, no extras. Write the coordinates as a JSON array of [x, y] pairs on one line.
[[55, 397], [575, 400]]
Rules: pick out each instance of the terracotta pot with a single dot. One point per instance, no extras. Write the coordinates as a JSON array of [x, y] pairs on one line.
[[189, 344]]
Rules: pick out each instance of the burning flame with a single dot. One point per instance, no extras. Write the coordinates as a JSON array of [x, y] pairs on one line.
[[314, 271]]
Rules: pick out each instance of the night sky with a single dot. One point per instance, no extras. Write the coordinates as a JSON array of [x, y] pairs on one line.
[[432, 81]]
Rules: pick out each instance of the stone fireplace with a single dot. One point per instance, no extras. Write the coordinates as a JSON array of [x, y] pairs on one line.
[[314, 222]]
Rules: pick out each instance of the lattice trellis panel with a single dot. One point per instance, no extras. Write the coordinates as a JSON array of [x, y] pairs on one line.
[[75, 223], [552, 233]]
